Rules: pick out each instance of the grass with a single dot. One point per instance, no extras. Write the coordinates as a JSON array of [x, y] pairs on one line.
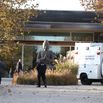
[[65, 74]]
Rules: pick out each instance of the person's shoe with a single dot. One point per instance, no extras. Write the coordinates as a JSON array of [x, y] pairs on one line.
[[45, 86]]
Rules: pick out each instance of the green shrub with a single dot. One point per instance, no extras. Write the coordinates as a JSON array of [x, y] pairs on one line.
[[67, 66]]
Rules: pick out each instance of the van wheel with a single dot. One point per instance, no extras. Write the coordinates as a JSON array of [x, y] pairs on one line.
[[101, 82], [85, 80]]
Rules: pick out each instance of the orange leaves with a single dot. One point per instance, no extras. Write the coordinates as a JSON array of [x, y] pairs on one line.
[[92, 4], [12, 22]]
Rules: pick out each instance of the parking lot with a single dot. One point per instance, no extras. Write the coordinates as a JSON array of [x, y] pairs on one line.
[[51, 94]]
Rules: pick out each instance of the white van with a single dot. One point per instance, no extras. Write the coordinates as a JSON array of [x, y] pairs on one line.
[[89, 57]]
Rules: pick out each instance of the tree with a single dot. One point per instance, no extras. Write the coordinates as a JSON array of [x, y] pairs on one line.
[[96, 5], [13, 16], [92, 4]]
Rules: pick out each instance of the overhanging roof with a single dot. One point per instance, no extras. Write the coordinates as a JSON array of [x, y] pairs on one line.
[[40, 42], [65, 16], [38, 26], [64, 21], [53, 43]]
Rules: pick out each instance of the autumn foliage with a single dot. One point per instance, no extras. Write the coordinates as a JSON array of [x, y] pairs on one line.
[[13, 16]]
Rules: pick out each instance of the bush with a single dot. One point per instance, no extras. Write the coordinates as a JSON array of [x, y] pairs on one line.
[[67, 66], [64, 79], [27, 81], [65, 74]]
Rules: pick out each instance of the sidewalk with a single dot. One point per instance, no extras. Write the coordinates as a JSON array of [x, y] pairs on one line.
[[51, 94], [6, 81]]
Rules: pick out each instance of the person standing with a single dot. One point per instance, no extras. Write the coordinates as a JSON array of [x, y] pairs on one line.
[[44, 58], [19, 66]]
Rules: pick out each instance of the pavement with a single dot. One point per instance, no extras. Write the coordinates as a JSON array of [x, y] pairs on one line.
[[6, 81], [51, 94]]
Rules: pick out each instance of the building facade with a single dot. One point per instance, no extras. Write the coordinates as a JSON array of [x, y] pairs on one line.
[[62, 29]]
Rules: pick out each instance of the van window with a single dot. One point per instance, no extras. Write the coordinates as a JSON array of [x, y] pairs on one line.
[[87, 48], [99, 48]]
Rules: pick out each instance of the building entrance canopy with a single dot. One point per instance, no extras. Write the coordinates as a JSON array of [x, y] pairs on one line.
[[64, 23], [73, 25], [63, 27]]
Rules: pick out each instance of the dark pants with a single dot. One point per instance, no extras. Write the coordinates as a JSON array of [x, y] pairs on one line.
[[41, 69]]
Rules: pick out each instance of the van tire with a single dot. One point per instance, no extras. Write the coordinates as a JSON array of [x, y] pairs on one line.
[[84, 79], [101, 82]]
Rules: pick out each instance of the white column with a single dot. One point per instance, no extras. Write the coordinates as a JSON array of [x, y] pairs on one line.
[[70, 35], [70, 39], [23, 56]]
